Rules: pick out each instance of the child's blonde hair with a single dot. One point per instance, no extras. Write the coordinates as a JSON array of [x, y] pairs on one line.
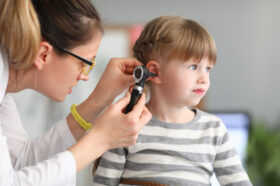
[[173, 37], [20, 34]]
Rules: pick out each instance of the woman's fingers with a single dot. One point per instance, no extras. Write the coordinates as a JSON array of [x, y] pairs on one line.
[[145, 117], [140, 114], [123, 102], [128, 80], [130, 88], [139, 106], [129, 64]]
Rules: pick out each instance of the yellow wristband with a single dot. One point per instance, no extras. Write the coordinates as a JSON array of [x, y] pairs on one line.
[[83, 123]]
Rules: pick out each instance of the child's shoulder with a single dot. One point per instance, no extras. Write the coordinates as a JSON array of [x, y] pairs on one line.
[[206, 116], [209, 119]]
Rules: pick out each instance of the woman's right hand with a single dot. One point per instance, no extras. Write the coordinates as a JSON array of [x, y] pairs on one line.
[[119, 129], [112, 129]]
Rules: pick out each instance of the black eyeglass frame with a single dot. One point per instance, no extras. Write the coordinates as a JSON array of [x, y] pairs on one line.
[[90, 63]]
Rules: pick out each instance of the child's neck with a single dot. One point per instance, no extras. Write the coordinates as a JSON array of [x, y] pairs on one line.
[[169, 113]]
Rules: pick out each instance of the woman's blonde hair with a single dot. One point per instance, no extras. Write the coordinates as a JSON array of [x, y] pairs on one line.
[[173, 37], [20, 34]]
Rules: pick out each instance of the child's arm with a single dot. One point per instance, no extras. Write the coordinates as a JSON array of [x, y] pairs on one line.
[[110, 167], [227, 165]]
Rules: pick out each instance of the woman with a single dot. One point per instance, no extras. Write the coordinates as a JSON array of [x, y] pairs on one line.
[[52, 61]]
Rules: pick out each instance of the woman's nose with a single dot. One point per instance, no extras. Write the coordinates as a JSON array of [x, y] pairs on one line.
[[83, 77]]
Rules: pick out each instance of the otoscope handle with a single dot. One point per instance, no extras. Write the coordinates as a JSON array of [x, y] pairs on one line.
[[135, 95]]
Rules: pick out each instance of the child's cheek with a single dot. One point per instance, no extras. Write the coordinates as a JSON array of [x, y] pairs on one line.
[[179, 89]]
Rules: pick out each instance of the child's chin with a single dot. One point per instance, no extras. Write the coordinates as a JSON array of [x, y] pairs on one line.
[[194, 104]]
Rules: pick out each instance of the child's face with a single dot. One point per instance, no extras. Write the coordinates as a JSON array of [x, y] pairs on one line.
[[185, 83]]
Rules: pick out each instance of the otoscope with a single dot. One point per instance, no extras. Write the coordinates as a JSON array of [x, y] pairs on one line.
[[140, 74]]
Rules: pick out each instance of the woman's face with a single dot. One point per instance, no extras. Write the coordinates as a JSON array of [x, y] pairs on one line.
[[61, 73]]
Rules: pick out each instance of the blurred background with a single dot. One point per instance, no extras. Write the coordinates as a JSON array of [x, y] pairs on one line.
[[245, 79]]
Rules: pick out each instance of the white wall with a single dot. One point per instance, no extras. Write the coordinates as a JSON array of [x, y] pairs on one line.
[[247, 35]]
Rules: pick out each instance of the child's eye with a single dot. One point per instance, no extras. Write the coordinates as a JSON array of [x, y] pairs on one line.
[[208, 69], [193, 67]]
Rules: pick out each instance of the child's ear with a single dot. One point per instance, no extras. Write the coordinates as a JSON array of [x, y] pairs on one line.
[[154, 67], [42, 56]]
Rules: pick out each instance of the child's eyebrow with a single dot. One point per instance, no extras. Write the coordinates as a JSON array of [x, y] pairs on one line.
[[192, 61], [197, 61]]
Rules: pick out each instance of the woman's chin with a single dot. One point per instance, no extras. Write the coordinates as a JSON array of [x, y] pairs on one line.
[[58, 98]]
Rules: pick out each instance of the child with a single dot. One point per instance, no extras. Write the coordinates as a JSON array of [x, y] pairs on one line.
[[181, 145]]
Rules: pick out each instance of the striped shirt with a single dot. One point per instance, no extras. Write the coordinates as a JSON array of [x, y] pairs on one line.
[[176, 154]]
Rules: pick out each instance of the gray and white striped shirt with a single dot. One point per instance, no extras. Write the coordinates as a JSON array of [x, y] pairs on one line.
[[176, 154]]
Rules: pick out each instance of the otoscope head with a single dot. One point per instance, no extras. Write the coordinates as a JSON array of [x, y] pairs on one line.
[[140, 74]]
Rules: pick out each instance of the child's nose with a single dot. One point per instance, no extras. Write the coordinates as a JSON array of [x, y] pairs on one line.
[[203, 78]]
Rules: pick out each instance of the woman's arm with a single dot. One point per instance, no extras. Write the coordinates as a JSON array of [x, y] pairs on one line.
[[112, 129], [59, 170], [25, 152]]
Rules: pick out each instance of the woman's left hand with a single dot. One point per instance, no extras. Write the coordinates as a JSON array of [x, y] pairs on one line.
[[116, 78]]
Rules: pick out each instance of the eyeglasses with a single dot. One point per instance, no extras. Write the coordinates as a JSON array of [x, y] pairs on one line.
[[88, 65]]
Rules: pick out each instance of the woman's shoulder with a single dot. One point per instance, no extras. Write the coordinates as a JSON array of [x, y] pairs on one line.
[[8, 106], [8, 99]]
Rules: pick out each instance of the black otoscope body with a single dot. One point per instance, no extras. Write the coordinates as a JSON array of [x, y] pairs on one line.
[[140, 74]]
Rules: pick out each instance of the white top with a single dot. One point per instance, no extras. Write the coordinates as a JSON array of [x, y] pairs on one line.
[[4, 75], [41, 161]]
